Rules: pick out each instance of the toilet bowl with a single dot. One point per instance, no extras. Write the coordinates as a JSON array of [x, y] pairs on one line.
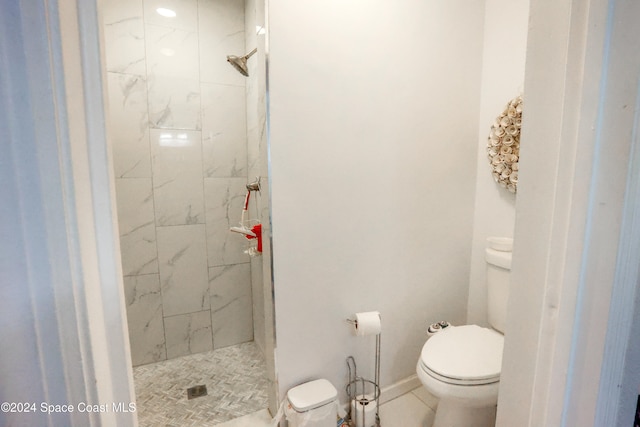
[[461, 364]]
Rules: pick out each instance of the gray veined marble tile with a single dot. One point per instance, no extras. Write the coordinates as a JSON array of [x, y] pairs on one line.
[[144, 318], [129, 130], [124, 36], [258, 303], [174, 103], [224, 199], [253, 127], [260, 418], [188, 333], [183, 269], [221, 33], [185, 14], [172, 52], [136, 226], [224, 130], [255, 164], [177, 177], [231, 304]]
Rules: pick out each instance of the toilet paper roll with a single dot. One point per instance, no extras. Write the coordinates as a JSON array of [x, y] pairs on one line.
[[363, 411], [368, 323]]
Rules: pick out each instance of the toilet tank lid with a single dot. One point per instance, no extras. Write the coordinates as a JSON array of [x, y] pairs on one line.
[[311, 395]]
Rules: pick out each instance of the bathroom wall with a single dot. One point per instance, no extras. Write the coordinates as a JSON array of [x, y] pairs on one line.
[[373, 133], [503, 58], [178, 128]]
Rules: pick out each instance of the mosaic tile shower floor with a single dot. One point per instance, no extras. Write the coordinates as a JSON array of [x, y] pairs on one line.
[[236, 385]]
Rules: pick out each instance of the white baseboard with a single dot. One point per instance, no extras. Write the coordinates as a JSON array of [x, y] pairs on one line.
[[399, 388]]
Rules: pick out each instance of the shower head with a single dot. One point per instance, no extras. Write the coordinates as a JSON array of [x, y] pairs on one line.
[[240, 62]]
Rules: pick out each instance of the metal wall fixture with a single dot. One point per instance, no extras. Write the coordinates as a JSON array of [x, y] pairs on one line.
[[240, 62], [255, 185]]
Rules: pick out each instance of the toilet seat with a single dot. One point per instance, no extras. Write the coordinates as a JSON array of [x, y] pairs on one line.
[[458, 381], [464, 355]]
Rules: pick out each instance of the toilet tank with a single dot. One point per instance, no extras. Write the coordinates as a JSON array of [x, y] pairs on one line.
[[498, 257]]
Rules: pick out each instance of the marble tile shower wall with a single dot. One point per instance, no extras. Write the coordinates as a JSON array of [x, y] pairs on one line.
[[179, 135]]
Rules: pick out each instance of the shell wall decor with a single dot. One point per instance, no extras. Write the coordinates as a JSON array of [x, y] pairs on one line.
[[503, 145]]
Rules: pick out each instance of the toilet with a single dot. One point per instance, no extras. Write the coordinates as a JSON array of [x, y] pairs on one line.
[[461, 364]]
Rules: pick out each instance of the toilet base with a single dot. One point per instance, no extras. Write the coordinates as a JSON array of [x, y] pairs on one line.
[[451, 413]]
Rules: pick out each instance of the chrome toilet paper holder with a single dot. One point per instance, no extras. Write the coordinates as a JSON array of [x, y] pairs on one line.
[[369, 390]]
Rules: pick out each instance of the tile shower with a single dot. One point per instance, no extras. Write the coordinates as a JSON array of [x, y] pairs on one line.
[[178, 126]]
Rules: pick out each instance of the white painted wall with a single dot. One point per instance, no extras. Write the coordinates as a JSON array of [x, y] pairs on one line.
[[503, 55], [373, 133], [536, 279], [573, 234], [62, 306]]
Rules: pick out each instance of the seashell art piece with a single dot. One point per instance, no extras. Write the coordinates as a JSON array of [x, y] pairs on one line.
[[503, 145]]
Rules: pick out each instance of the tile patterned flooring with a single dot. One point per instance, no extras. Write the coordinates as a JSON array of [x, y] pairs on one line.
[[237, 393], [236, 384], [413, 409]]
